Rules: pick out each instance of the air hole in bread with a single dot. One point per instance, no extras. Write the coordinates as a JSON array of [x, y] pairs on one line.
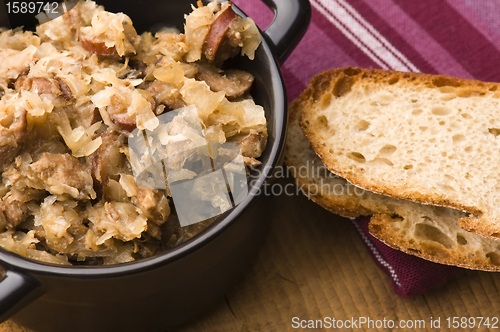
[[322, 121], [385, 99], [342, 86], [374, 228], [387, 150], [414, 100], [418, 111], [393, 80], [326, 100], [357, 157], [449, 178], [461, 240], [408, 167], [442, 123], [494, 131], [396, 218], [433, 234], [466, 116], [444, 153], [493, 88], [362, 125], [447, 187], [382, 161], [494, 258], [444, 81], [352, 71], [458, 138], [7, 121], [468, 149], [448, 97], [447, 90], [320, 83], [466, 93], [441, 110]]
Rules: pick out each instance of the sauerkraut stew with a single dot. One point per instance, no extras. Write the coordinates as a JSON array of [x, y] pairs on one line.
[[73, 94]]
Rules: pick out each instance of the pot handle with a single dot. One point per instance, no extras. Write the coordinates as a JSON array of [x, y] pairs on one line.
[[16, 291], [292, 17]]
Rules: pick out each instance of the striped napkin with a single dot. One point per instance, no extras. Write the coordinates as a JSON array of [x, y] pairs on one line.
[[458, 38]]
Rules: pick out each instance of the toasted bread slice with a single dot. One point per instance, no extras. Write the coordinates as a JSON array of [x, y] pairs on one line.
[[425, 231], [426, 138]]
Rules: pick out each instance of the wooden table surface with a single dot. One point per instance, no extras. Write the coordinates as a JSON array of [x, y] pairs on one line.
[[313, 265]]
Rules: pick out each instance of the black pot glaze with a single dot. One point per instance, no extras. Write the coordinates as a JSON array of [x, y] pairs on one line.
[[163, 291]]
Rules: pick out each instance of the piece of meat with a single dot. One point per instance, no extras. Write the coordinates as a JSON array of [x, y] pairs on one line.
[[12, 136], [64, 174], [166, 94], [14, 209], [217, 33], [14, 206], [127, 123], [3, 219], [153, 204], [65, 90], [235, 83], [136, 69], [98, 48], [154, 230], [44, 86], [95, 39], [15, 63], [107, 161], [118, 112], [252, 162], [252, 145], [144, 246], [40, 85]]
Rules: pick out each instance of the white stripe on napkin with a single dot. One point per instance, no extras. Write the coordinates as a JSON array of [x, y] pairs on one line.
[[377, 254], [363, 35]]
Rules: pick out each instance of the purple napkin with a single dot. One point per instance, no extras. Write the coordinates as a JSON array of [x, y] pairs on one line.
[[452, 37]]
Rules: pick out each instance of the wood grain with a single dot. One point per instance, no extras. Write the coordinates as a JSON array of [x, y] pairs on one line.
[[313, 265]]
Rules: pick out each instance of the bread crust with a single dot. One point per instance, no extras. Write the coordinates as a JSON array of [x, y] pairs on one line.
[[333, 85]]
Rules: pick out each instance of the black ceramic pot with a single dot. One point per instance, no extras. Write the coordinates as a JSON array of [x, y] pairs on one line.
[[160, 292]]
